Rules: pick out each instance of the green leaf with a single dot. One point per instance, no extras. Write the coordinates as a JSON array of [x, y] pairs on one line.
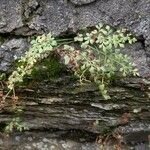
[[66, 59], [121, 45], [106, 97], [92, 70], [101, 87], [104, 31], [83, 67], [107, 28]]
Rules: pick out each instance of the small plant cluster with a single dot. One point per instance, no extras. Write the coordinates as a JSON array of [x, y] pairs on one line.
[[96, 57], [99, 56], [40, 49], [16, 124]]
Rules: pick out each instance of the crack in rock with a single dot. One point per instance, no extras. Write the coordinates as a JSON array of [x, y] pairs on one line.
[[82, 2]]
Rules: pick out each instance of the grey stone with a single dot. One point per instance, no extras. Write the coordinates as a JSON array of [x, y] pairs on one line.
[[82, 2], [138, 57], [58, 142], [30, 8], [59, 16], [10, 51], [10, 15]]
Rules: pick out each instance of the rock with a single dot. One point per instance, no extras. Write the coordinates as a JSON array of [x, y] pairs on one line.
[[12, 50], [138, 57], [55, 17], [59, 16], [82, 2], [30, 8], [10, 15], [70, 106], [61, 140]]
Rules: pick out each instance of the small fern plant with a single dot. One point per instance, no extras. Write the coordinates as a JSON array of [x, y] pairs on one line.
[[99, 56], [96, 57], [16, 124], [40, 49]]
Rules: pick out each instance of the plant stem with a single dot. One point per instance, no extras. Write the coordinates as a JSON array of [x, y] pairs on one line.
[[4, 98]]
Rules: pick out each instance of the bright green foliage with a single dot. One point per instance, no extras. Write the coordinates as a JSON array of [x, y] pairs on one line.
[[16, 124], [97, 57], [100, 57], [40, 49]]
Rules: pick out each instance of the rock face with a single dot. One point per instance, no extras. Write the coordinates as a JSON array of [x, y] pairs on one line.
[[59, 16], [57, 140], [10, 51], [11, 15], [63, 105], [74, 116]]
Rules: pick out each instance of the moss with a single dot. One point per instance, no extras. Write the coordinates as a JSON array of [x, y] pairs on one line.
[[49, 68], [2, 39], [2, 126]]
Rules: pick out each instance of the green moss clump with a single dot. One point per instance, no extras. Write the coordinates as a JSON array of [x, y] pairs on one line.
[[49, 68], [2, 40]]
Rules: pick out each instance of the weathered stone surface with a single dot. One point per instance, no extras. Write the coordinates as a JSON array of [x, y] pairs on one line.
[[82, 2], [133, 15], [10, 15], [138, 56], [63, 105], [58, 16], [59, 140], [10, 51]]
